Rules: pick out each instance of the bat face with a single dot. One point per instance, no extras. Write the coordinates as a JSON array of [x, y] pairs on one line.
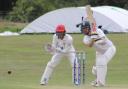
[[89, 13], [91, 19]]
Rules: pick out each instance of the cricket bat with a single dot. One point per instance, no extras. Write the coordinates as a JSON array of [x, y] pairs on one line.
[[91, 19]]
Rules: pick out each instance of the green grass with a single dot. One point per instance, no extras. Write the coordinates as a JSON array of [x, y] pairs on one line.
[[25, 57], [11, 26]]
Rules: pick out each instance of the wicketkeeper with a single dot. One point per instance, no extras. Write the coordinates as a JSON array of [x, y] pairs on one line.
[[63, 45], [105, 50]]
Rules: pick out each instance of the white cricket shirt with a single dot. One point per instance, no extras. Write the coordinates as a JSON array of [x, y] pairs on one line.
[[66, 44], [100, 45]]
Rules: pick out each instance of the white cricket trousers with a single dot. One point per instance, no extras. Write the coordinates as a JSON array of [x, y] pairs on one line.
[[101, 63], [54, 62]]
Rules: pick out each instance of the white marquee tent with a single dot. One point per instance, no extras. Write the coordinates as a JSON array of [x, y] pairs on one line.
[[113, 19]]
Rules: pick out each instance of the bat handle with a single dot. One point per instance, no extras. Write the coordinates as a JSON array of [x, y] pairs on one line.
[[82, 18]]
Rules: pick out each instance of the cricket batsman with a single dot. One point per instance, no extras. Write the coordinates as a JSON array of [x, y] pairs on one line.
[[63, 45], [105, 50]]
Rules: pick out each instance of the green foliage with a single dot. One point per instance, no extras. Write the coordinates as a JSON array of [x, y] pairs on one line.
[[126, 5], [28, 10], [25, 10], [118, 3], [11, 26], [69, 3]]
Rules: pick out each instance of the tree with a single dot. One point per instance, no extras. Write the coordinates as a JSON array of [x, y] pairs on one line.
[[28, 10], [118, 3]]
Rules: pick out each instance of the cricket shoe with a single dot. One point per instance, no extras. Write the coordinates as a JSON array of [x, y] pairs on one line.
[[97, 84], [44, 82], [93, 83]]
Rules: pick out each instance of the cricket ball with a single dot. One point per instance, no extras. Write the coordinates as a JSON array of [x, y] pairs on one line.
[[9, 72]]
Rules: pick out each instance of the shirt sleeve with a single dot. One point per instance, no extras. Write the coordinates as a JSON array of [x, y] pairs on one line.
[[54, 41], [99, 34], [87, 40]]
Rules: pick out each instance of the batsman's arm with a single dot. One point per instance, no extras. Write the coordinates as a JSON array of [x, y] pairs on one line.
[[89, 41], [90, 44], [94, 40]]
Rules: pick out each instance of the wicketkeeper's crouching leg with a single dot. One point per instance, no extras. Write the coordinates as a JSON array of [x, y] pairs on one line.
[[49, 69], [47, 73]]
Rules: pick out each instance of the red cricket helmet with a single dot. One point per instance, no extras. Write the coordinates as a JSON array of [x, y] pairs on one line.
[[60, 28], [60, 31]]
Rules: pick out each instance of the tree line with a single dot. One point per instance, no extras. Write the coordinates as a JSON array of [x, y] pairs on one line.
[[28, 10]]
